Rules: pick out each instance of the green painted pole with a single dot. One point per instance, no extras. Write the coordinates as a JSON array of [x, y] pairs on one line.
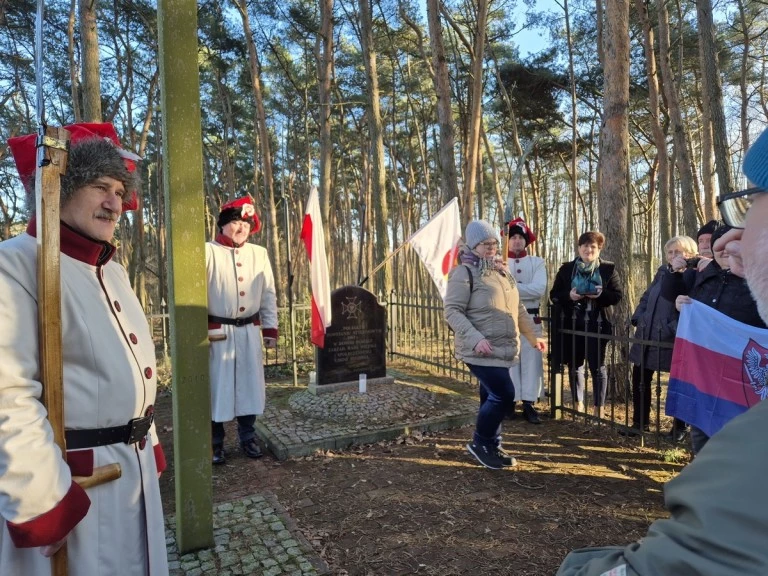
[[185, 225]]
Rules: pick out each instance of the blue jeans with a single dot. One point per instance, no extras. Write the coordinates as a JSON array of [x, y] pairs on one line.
[[497, 383], [245, 430]]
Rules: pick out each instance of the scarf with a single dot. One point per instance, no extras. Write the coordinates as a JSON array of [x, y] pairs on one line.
[[485, 265], [586, 276]]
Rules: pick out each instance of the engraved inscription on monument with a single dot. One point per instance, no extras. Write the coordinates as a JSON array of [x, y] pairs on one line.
[[354, 342]]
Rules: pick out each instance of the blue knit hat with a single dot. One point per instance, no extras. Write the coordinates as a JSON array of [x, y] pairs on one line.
[[756, 161], [478, 231]]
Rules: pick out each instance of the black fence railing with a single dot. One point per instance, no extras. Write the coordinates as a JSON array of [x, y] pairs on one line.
[[418, 334]]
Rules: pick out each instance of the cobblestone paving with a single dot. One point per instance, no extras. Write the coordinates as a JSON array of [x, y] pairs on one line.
[[253, 536], [297, 423]]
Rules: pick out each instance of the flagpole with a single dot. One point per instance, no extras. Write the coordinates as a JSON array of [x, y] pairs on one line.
[[289, 268], [362, 281], [380, 266]]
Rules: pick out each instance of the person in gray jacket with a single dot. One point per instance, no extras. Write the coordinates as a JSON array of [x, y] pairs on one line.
[[718, 525], [483, 307]]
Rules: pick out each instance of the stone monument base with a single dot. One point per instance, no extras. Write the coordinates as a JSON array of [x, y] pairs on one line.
[[350, 385]]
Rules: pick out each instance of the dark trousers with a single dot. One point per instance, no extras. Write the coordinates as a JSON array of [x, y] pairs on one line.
[[497, 384], [642, 378], [593, 351], [245, 430], [698, 440]]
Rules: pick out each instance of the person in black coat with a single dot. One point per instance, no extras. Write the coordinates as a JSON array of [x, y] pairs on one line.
[[583, 293], [656, 320], [718, 288]]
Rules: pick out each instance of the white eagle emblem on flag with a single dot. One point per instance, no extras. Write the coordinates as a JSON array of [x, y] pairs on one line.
[[755, 372]]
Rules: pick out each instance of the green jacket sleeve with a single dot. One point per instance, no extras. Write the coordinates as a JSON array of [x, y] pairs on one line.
[[718, 525]]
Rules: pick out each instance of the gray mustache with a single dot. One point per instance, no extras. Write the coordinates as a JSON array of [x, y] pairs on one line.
[[108, 215]]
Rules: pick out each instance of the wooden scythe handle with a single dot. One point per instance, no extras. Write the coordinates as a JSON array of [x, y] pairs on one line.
[[101, 475], [47, 197]]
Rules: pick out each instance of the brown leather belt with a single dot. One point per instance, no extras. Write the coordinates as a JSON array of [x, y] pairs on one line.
[[253, 319]]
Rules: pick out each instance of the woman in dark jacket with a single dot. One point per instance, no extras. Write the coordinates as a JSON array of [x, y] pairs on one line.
[[717, 287], [583, 292], [656, 320]]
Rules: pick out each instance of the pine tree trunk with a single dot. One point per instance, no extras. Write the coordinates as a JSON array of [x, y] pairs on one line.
[[378, 170], [89, 46], [266, 155], [713, 94], [659, 138], [476, 114], [324, 56], [448, 182], [683, 160], [72, 62], [614, 191]]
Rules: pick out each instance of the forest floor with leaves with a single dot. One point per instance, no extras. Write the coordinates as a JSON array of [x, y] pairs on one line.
[[421, 505]]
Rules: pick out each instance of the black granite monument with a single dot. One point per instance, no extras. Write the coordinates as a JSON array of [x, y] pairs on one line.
[[355, 341]]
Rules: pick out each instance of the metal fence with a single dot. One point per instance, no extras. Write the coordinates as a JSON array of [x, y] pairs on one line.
[[418, 334], [293, 339]]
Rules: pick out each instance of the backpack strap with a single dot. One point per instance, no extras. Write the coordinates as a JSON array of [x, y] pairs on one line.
[[471, 279]]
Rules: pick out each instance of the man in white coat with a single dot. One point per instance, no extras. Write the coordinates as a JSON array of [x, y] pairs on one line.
[[530, 273], [109, 384], [242, 307]]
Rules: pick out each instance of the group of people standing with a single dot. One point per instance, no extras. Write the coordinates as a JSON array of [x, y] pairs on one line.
[[492, 305]]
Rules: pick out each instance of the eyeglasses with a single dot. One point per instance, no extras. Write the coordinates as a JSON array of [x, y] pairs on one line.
[[490, 244], [735, 205]]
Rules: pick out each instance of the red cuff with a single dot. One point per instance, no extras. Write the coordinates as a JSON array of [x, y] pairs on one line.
[[160, 457], [214, 325], [54, 524], [269, 333]]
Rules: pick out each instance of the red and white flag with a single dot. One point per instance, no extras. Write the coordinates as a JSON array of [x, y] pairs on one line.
[[314, 241], [437, 242]]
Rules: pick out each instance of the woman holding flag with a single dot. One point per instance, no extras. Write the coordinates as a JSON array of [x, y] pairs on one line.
[[483, 307]]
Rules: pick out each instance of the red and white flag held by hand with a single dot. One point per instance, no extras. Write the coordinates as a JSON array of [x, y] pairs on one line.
[[437, 242], [314, 241]]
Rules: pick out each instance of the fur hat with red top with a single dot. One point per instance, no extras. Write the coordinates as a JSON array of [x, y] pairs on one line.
[[240, 209], [518, 226], [94, 152]]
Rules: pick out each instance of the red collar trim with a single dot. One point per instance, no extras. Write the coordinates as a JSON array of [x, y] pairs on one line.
[[226, 241], [521, 254], [79, 246]]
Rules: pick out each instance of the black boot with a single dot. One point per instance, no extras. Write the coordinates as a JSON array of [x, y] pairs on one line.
[[218, 455], [511, 415], [530, 413], [251, 449]]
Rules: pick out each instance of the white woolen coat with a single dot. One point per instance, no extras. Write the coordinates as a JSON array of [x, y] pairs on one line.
[[109, 378], [240, 283], [530, 273]]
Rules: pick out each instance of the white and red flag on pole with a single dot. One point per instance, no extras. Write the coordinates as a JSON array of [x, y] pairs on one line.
[[437, 242], [314, 241]]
